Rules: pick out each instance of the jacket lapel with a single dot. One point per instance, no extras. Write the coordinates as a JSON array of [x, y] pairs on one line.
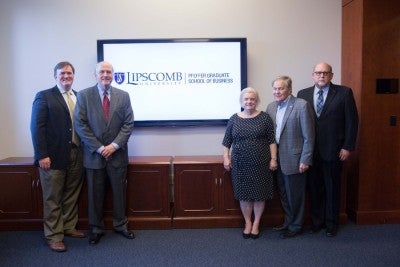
[[289, 109], [60, 98], [329, 98]]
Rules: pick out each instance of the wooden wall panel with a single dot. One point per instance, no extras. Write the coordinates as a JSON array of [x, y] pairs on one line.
[[374, 197], [352, 77]]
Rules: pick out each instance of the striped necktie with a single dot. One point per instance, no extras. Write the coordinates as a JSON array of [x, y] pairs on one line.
[[320, 101]]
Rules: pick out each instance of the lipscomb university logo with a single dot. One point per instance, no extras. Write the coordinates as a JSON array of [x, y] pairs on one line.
[[119, 77]]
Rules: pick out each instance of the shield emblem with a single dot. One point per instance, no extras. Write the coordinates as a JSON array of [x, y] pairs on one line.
[[119, 77]]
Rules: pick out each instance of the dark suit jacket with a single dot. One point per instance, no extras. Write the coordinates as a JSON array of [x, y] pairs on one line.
[[51, 128], [95, 131], [337, 126], [296, 142]]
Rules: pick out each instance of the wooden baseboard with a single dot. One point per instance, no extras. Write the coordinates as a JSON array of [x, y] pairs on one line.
[[21, 225], [138, 223], [375, 217]]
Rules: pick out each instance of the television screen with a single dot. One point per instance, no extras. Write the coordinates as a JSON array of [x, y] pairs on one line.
[[179, 82]]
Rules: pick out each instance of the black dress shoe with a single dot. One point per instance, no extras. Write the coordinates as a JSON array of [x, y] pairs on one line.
[[315, 229], [94, 238], [255, 236], [331, 232], [289, 234], [126, 233], [246, 236], [281, 227]]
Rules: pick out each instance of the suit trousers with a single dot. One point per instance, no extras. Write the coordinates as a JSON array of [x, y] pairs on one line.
[[324, 187], [61, 189], [292, 191], [97, 180]]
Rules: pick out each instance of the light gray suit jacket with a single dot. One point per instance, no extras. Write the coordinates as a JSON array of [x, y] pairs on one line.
[[296, 142], [95, 131]]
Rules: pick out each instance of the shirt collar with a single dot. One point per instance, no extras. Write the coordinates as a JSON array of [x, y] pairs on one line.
[[283, 104], [101, 90], [325, 89], [62, 91]]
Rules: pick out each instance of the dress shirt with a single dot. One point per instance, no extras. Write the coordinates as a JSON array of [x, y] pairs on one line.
[[280, 113], [101, 93]]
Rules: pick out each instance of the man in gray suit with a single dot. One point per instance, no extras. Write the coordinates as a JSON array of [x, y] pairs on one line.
[[104, 122], [295, 134]]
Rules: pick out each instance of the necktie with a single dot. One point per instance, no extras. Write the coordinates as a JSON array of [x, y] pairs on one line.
[[106, 105], [320, 101], [71, 107]]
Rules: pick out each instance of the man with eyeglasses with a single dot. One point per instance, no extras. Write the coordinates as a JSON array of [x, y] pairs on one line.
[[336, 124]]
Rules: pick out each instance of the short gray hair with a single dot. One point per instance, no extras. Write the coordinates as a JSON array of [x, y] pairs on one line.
[[250, 90]]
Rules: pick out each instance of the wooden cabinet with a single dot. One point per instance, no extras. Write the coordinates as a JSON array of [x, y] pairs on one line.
[[20, 195], [203, 194], [148, 195], [148, 192], [183, 192]]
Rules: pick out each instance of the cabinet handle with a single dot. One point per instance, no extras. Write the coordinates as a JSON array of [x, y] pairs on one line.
[[216, 181], [220, 181]]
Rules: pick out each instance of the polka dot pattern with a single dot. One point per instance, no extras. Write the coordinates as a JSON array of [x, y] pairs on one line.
[[249, 140]]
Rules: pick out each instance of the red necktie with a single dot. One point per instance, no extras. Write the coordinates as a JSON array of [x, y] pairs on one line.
[[106, 105]]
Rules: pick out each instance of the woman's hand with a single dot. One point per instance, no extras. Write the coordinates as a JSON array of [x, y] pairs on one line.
[[273, 164], [227, 163]]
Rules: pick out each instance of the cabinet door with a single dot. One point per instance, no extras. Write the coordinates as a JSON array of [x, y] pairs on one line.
[[228, 204], [148, 190], [19, 193], [195, 190]]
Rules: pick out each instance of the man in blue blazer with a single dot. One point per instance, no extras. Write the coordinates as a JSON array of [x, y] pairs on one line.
[[104, 135], [58, 156], [295, 134], [336, 132]]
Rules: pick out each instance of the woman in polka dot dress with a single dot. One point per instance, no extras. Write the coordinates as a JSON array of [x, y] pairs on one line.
[[250, 152]]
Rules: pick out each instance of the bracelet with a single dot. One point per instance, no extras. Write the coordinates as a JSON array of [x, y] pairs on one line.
[[274, 158]]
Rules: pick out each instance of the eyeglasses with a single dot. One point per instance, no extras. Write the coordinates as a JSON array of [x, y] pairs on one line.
[[320, 73]]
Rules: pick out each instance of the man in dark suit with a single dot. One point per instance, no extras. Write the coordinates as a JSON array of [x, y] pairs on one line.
[[104, 122], [336, 132], [294, 130], [58, 156]]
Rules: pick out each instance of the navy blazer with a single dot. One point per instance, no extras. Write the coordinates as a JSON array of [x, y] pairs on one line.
[[51, 128], [95, 131], [337, 126]]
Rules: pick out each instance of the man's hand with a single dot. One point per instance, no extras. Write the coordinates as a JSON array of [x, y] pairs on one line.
[[108, 151], [45, 163]]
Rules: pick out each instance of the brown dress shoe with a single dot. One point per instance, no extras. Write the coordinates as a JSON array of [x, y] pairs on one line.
[[75, 233], [58, 246]]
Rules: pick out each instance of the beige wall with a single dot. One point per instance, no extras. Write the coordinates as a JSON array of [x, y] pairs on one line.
[[283, 37]]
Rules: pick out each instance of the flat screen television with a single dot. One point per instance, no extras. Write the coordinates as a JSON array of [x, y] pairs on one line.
[[179, 82]]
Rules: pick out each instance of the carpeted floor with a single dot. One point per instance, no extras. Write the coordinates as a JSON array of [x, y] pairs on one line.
[[374, 245]]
